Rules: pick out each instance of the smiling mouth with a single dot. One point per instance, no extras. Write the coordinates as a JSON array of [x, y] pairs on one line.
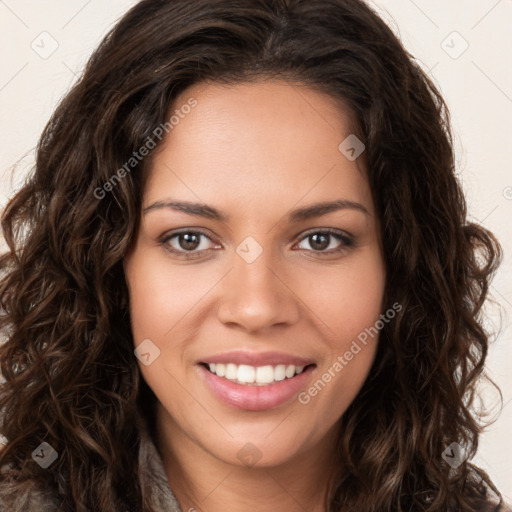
[[255, 375]]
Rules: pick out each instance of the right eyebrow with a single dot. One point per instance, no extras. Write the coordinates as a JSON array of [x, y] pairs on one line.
[[197, 209]]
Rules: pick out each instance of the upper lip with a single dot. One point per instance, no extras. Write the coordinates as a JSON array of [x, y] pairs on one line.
[[257, 358]]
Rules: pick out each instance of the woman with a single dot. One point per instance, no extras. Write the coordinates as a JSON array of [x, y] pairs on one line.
[[241, 276]]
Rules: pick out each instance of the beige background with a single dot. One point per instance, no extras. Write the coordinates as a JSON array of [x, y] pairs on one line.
[[466, 46]]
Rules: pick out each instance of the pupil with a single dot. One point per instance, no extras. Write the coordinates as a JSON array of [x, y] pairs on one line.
[[189, 243], [320, 245]]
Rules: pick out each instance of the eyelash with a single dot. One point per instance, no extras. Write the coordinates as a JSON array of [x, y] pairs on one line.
[[347, 242]]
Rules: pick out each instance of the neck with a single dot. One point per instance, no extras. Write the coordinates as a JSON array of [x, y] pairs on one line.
[[200, 481]]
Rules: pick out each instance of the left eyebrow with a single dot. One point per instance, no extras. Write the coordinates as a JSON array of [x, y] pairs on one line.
[[319, 209], [300, 214]]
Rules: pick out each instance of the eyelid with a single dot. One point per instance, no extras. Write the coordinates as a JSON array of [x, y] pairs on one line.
[[331, 231]]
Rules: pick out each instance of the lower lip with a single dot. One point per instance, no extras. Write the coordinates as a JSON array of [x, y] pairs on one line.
[[252, 397]]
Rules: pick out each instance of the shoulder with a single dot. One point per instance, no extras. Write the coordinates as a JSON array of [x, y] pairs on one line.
[[479, 484], [501, 507], [27, 496], [504, 507], [32, 499]]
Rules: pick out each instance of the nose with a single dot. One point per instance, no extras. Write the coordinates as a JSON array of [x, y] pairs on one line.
[[257, 296]]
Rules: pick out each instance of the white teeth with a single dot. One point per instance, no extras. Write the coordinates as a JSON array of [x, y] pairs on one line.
[[259, 375], [264, 374], [231, 371], [246, 374], [220, 370], [290, 371], [280, 372]]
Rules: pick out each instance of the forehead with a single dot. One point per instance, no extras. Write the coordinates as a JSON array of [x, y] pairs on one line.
[[270, 141], [273, 112]]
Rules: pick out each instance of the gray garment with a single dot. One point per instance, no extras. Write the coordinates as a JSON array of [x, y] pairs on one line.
[[152, 477]]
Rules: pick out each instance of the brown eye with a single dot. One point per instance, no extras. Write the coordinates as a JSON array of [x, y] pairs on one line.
[[187, 243], [320, 241]]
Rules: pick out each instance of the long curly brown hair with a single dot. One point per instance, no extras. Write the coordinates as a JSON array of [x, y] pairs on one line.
[[70, 374]]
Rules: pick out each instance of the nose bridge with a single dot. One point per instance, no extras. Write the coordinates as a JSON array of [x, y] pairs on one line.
[[254, 294]]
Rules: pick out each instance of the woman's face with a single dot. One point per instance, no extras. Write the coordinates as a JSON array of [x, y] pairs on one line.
[[265, 291]]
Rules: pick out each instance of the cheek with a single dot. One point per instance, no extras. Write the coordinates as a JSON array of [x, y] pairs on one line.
[[161, 295], [348, 307], [161, 300], [345, 367], [346, 300], [166, 307]]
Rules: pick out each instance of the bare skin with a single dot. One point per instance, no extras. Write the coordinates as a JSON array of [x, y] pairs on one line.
[[255, 152]]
